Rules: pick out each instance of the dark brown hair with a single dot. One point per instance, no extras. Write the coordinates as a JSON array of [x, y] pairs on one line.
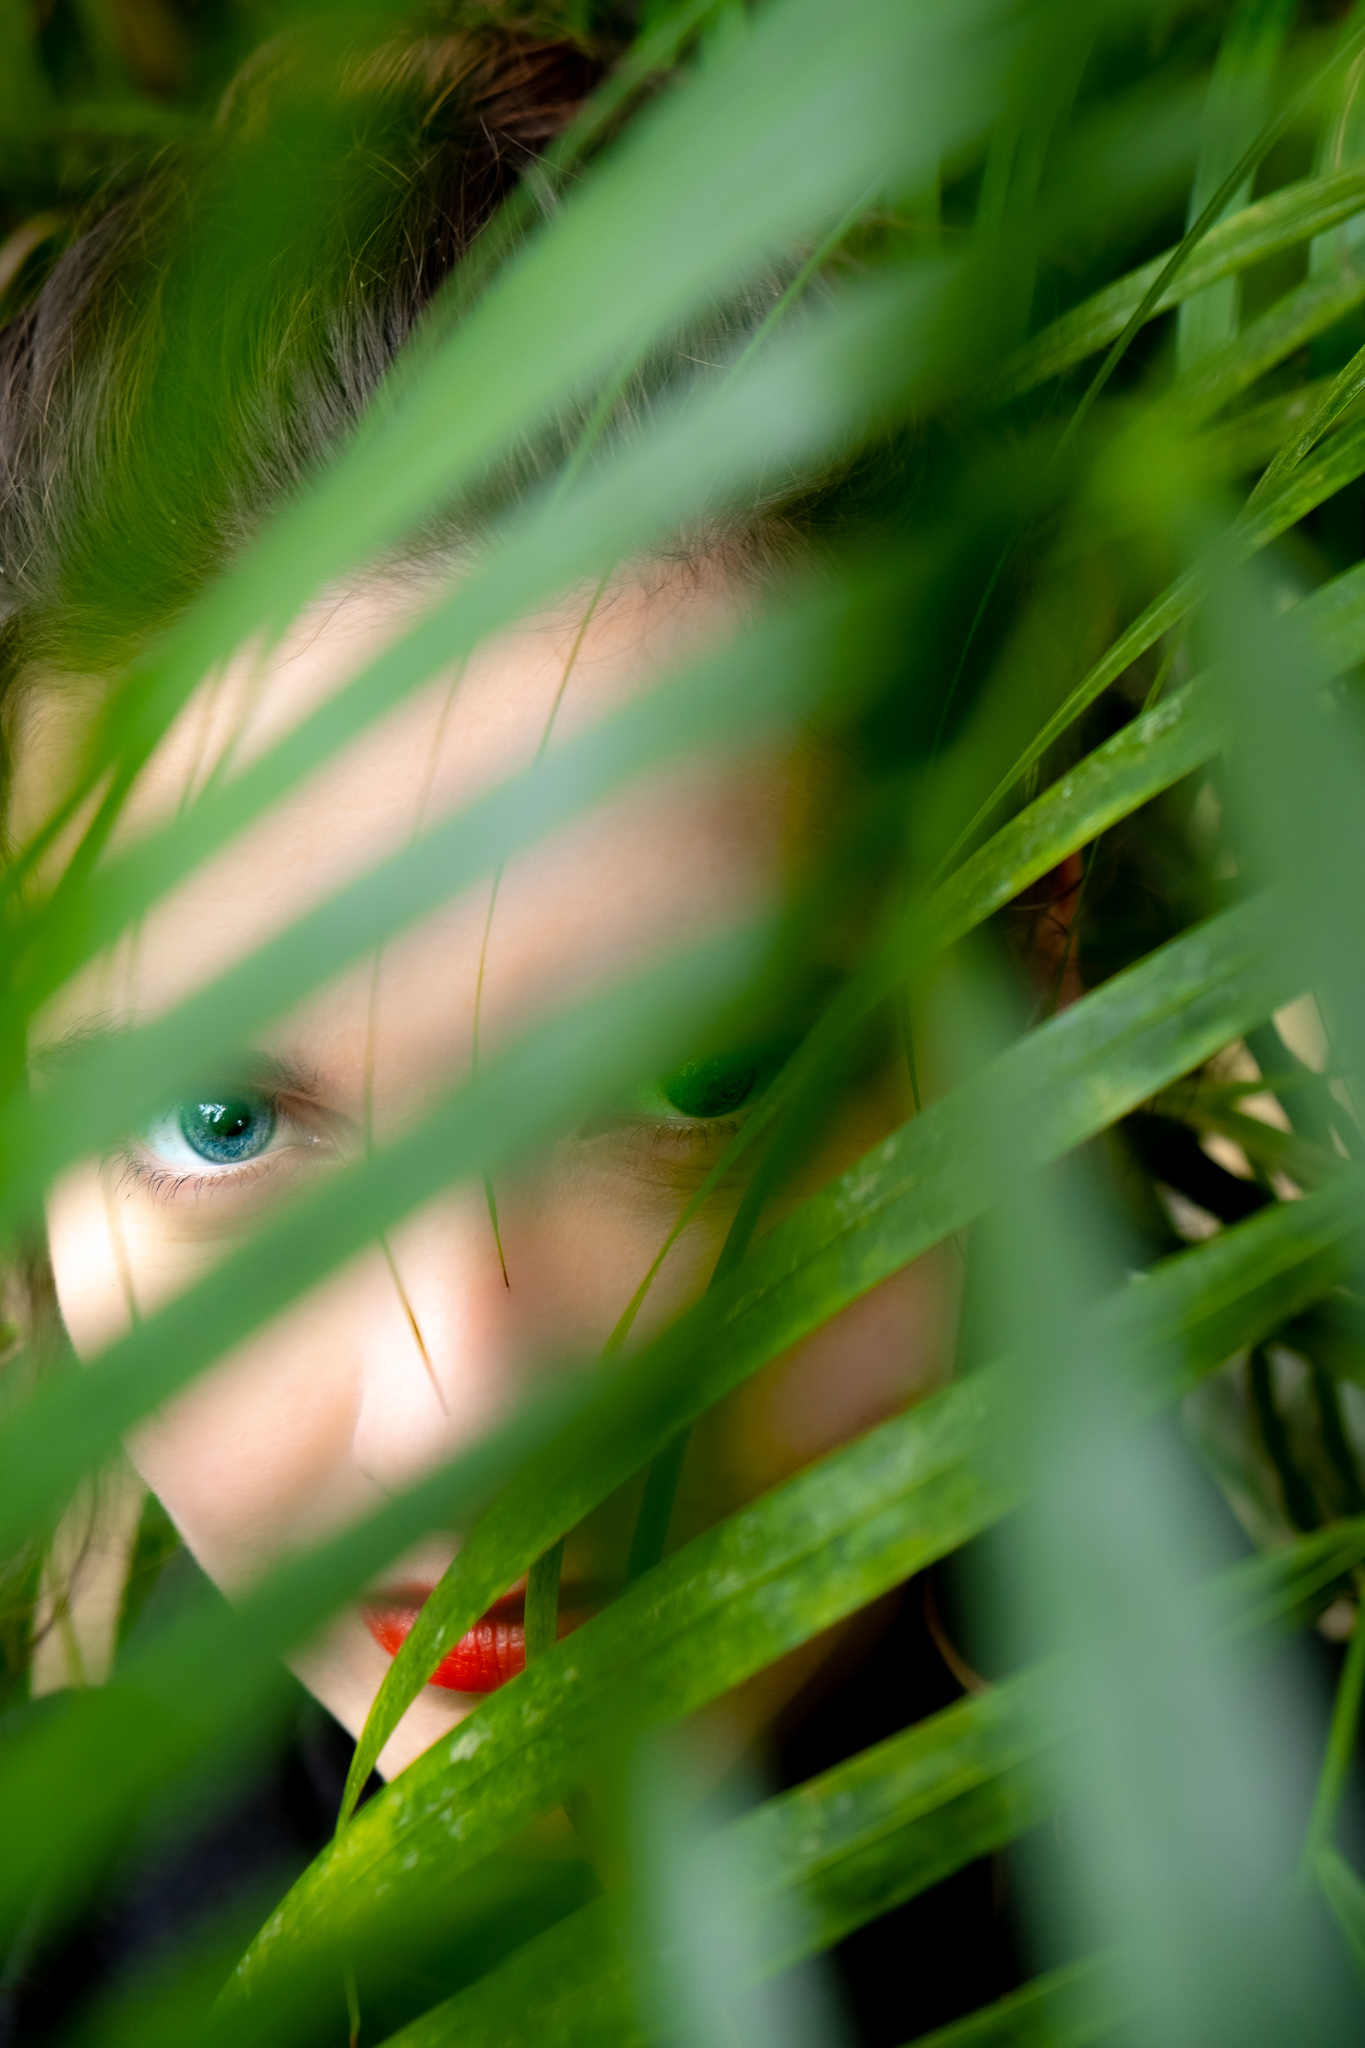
[[215, 333]]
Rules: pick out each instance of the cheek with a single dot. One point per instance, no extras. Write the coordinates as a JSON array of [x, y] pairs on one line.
[[254, 1459], [600, 1230], [88, 1262], [114, 1261], [884, 1352]]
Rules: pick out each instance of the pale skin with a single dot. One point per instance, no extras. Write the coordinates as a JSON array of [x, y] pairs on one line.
[[414, 1348]]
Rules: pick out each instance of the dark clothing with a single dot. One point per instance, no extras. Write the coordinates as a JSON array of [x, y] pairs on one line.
[[234, 1864]]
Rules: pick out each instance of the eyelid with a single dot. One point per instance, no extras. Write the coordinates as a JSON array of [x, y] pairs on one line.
[[649, 1104]]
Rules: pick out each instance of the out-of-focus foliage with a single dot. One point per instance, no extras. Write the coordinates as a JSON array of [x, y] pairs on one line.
[[1062, 361]]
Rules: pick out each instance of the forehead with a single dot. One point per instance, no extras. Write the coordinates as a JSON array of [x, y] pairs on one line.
[[665, 855], [589, 652], [576, 661]]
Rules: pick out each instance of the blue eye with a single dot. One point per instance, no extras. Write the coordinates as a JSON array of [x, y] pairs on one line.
[[229, 1131], [231, 1127]]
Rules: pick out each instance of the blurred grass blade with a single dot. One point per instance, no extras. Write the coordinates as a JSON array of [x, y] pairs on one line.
[[1345, 1894], [696, 1924], [1343, 1740], [808, 393], [1285, 1586], [1299, 771], [104, 1088], [713, 184], [1181, 1777], [552, 1078], [1238, 104]]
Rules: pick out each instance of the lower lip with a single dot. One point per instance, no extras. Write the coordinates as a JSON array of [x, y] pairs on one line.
[[493, 1651]]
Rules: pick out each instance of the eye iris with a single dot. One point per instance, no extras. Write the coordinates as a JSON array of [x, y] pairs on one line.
[[227, 1132], [709, 1088]]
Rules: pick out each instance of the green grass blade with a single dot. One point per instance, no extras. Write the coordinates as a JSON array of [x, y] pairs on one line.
[[1237, 105], [833, 1854], [1286, 1586], [1090, 1065], [1147, 756], [1194, 1309], [1339, 462], [1344, 1892], [899, 1817], [1343, 1740], [1341, 144], [1305, 1160], [1069, 2008], [1299, 317], [1280, 221]]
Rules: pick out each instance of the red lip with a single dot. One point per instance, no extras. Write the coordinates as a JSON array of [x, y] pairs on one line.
[[493, 1651]]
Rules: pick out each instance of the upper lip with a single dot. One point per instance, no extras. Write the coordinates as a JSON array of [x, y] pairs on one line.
[[414, 1592], [575, 1597]]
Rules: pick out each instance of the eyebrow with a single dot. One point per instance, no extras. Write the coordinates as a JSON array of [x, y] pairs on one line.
[[253, 1067]]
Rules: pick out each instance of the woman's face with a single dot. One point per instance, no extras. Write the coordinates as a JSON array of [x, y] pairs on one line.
[[417, 1346]]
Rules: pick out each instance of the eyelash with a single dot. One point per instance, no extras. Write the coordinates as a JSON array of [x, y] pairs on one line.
[[674, 1153], [691, 1134], [144, 1176]]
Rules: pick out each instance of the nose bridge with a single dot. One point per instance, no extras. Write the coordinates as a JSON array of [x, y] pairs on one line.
[[437, 1353]]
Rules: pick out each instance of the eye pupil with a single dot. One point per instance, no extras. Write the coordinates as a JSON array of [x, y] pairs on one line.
[[710, 1088], [229, 1131]]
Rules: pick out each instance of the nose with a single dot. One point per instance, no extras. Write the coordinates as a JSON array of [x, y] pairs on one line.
[[437, 1343]]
